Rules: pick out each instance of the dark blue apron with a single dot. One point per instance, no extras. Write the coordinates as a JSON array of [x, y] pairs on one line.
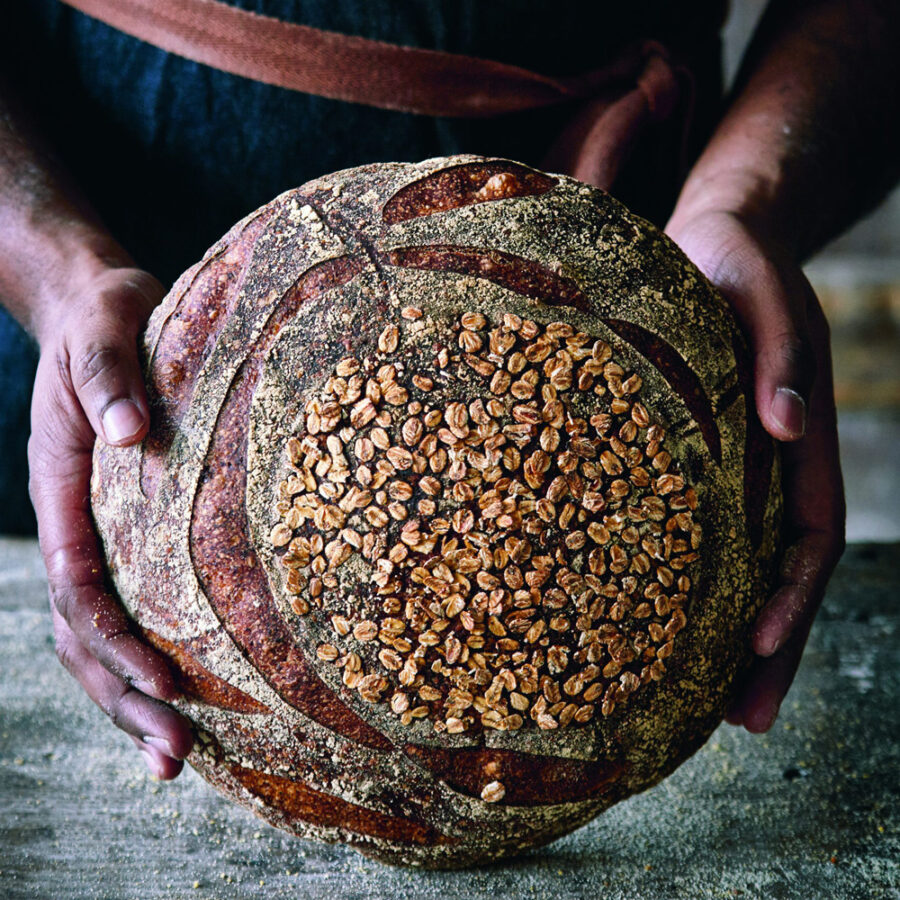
[[172, 153]]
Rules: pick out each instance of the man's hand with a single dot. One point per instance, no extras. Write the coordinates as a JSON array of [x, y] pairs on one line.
[[71, 285], [796, 157], [794, 400], [89, 384]]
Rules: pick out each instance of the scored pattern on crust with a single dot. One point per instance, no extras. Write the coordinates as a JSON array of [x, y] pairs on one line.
[[464, 185], [511, 271], [481, 300]]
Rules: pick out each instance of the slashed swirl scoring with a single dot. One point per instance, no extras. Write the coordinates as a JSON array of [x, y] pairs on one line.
[[528, 540], [451, 521]]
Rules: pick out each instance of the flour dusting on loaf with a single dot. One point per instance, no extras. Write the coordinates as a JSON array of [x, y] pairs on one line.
[[454, 516]]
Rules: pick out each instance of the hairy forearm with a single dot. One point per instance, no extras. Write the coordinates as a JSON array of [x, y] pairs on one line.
[[811, 138], [50, 239]]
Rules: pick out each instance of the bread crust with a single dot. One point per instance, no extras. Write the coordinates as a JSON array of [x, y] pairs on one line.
[[237, 357]]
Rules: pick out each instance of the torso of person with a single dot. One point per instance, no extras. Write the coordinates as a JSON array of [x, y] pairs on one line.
[[172, 152]]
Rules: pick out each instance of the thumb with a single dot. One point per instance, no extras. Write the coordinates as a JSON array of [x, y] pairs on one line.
[[785, 366], [770, 297], [101, 346]]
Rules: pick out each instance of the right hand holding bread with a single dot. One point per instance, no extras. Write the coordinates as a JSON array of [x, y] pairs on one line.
[[89, 385]]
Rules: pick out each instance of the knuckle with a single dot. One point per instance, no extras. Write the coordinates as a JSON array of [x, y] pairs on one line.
[[104, 646], [114, 712], [148, 288], [128, 295], [49, 460], [75, 591], [112, 704], [62, 363], [793, 352], [62, 599], [42, 472], [64, 654], [790, 348], [93, 363], [36, 485]]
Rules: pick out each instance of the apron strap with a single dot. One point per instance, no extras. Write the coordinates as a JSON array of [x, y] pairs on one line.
[[597, 141], [638, 87]]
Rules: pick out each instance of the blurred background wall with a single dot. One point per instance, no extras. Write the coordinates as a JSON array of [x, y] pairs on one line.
[[857, 278]]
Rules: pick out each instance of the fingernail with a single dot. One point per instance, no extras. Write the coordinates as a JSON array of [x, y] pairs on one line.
[[789, 411], [161, 744], [121, 421]]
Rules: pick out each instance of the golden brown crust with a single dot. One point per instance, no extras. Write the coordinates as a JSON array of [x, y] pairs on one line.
[[198, 683], [452, 187], [506, 269], [350, 688]]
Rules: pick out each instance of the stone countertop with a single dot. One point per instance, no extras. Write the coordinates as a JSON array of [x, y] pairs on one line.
[[808, 811]]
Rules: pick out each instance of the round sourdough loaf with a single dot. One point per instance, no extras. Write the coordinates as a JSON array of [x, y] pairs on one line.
[[454, 515]]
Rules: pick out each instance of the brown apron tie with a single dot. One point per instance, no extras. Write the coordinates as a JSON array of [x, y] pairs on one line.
[[638, 87]]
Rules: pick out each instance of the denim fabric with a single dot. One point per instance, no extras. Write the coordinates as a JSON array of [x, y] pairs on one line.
[[18, 359], [172, 153]]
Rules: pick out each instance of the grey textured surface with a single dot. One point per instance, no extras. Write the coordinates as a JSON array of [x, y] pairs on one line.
[[808, 811], [871, 476]]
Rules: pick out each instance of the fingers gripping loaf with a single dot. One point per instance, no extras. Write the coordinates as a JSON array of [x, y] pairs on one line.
[[451, 518]]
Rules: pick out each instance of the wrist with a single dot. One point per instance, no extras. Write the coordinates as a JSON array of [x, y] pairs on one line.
[[753, 195], [64, 261]]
